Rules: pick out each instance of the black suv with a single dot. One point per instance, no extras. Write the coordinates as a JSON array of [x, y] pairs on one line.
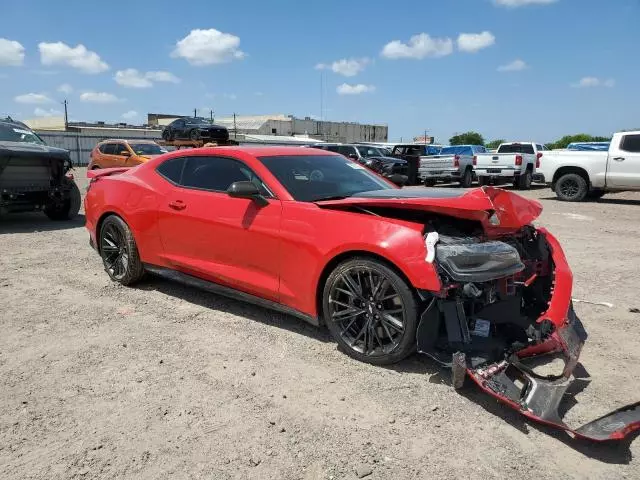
[[33, 176], [371, 157], [195, 129]]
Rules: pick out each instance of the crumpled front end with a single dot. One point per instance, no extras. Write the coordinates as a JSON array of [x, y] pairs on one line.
[[505, 319]]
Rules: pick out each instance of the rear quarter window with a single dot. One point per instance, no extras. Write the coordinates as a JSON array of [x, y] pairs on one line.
[[171, 170]]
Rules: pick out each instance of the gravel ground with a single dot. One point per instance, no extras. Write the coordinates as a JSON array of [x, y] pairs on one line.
[[161, 381]]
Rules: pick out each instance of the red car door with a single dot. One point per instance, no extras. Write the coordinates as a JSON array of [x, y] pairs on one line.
[[207, 233]]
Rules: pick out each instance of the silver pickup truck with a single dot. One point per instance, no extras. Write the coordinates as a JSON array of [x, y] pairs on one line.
[[453, 164]]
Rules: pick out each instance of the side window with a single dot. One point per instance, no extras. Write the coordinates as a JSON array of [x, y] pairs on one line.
[[346, 151], [102, 148], [213, 173], [119, 148], [171, 169], [630, 143], [333, 148], [109, 148], [178, 124], [539, 148]]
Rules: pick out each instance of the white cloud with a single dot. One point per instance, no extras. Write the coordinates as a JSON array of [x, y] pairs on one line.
[[77, 57], [162, 76], [590, 82], [132, 78], [65, 88], [130, 114], [522, 3], [208, 47], [41, 112], [33, 98], [474, 42], [346, 89], [98, 97], [11, 53], [230, 96], [515, 66], [347, 67], [258, 94], [420, 46]]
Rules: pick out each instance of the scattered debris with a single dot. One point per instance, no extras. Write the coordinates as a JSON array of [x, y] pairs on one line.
[[282, 430], [392, 420], [602, 304], [434, 408], [254, 462], [253, 374], [363, 470], [342, 399], [634, 310]]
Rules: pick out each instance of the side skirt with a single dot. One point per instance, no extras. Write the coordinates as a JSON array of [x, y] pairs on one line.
[[218, 289]]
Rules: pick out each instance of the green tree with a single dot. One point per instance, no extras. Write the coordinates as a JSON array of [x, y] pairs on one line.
[[493, 144], [468, 138]]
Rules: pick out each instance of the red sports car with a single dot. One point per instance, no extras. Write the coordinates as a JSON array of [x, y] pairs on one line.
[[461, 276]]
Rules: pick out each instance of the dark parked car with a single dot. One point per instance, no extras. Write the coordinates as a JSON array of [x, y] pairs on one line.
[[195, 129], [371, 157], [411, 153], [34, 176]]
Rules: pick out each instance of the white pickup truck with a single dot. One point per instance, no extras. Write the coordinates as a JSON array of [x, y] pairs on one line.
[[514, 162], [578, 175], [453, 164]]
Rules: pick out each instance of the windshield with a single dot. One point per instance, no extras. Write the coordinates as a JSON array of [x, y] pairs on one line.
[[370, 152], [516, 148], [310, 178], [147, 149], [15, 133]]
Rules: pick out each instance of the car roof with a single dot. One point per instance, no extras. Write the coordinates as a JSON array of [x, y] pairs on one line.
[[142, 140], [261, 151]]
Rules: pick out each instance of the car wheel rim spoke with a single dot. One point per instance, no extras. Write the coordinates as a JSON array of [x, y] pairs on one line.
[[114, 252], [368, 311]]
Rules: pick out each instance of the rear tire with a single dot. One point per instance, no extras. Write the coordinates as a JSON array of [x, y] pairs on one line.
[[194, 134], [467, 179], [524, 182], [429, 182], [571, 187], [119, 251], [166, 135], [68, 209], [370, 311]]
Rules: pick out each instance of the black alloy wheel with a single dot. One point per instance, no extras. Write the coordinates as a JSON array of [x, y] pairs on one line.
[[119, 251], [571, 187], [467, 179], [370, 311], [166, 135], [194, 134]]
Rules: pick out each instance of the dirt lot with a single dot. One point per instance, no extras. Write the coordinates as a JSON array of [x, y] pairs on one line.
[[160, 381]]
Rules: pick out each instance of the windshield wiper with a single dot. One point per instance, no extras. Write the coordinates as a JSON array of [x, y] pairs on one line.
[[332, 197]]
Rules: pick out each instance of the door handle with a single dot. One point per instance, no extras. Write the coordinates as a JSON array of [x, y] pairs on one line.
[[619, 159], [177, 205]]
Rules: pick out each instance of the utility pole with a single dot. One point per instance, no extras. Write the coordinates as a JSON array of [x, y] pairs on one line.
[[211, 115], [66, 116], [195, 112], [425, 137], [235, 129]]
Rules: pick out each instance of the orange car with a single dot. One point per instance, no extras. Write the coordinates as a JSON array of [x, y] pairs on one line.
[[123, 153]]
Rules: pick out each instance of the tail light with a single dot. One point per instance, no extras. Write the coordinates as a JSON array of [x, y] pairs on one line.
[[456, 161], [475, 160], [518, 160], [538, 157]]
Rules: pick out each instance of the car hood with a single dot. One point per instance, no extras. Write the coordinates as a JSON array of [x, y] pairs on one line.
[[32, 149], [387, 159], [495, 208]]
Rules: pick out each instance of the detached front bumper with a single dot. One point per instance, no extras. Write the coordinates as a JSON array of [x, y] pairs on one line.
[[515, 383]]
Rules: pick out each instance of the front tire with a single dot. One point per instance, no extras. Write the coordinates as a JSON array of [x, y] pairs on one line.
[[68, 209], [370, 311], [429, 182], [119, 251], [194, 134], [571, 187]]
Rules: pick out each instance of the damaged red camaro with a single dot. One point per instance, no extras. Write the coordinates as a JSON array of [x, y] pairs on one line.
[[459, 275]]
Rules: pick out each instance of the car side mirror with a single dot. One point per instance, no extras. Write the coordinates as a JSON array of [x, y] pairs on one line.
[[125, 153], [399, 180], [353, 156], [248, 190]]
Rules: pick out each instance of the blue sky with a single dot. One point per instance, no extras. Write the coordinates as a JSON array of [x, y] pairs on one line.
[[568, 66]]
